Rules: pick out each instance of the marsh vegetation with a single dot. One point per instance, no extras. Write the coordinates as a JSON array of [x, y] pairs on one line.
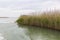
[[49, 19]]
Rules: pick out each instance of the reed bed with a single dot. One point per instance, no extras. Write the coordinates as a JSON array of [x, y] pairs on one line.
[[46, 19]]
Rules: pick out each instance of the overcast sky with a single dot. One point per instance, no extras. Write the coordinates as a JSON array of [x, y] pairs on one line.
[[13, 8]]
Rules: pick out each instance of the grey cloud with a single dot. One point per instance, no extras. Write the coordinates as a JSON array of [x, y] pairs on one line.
[[13, 6]]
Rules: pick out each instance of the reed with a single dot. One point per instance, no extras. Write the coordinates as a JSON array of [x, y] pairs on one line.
[[49, 19]]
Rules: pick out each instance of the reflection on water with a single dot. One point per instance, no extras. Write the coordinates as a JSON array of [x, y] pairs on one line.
[[11, 31], [37, 33]]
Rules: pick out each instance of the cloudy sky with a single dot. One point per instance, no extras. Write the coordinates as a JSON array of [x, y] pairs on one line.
[[14, 8]]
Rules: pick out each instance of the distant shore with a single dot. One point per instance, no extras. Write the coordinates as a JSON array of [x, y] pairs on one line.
[[4, 17]]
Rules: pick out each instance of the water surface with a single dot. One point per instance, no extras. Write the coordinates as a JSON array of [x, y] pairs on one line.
[[9, 30]]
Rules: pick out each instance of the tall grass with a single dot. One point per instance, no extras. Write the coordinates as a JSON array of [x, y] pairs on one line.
[[46, 19]]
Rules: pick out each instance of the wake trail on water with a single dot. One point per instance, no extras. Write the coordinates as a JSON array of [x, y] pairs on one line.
[[1, 37]]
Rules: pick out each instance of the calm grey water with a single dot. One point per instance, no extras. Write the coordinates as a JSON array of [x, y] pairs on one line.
[[11, 31]]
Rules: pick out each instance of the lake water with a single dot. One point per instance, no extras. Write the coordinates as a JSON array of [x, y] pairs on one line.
[[9, 30]]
